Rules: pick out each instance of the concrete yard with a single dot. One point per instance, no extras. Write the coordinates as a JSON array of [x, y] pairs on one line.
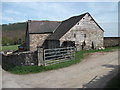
[[93, 72]]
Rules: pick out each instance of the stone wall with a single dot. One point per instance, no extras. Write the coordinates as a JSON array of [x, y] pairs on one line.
[[36, 40], [87, 31], [20, 59], [111, 41]]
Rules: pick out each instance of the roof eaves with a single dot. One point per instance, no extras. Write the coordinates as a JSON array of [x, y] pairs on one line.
[[42, 33]]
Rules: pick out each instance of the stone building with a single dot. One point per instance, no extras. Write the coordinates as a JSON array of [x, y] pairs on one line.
[[80, 31]]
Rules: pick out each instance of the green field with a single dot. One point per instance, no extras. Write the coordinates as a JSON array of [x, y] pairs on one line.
[[10, 47]]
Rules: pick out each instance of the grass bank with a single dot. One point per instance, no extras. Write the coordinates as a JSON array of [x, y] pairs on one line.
[[35, 69], [10, 47]]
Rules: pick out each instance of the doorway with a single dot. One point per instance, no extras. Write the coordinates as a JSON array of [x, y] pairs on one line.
[[93, 46]]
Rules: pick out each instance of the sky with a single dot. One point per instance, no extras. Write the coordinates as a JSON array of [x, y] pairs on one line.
[[105, 13]]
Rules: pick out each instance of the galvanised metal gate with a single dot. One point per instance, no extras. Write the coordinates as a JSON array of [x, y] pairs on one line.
[[58, 55]]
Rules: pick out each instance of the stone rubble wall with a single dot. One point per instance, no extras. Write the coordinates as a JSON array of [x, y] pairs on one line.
[[111, 41], [20, 59]]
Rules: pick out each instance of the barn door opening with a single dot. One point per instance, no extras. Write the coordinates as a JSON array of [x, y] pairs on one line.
[[68, 44]]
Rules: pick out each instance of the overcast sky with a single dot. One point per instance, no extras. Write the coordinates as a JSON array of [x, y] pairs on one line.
[[105, 13]]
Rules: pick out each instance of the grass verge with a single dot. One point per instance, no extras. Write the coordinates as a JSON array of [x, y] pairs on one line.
[[10, 47], [35, 69]]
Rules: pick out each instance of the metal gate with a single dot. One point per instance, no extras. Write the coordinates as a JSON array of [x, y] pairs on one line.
[[58, 55]]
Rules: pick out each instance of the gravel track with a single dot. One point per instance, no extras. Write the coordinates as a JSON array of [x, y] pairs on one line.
[[94, 72]]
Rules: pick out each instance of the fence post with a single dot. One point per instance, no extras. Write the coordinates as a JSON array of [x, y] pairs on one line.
[[40, 56]]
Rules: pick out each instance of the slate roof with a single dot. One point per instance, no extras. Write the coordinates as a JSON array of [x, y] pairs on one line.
[[65, 26], [42, 26]]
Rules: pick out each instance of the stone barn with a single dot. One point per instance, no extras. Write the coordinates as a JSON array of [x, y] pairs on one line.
[[81, 31], [37, 32]]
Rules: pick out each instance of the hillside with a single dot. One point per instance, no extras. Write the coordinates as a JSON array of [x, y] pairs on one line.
[[13, 33]]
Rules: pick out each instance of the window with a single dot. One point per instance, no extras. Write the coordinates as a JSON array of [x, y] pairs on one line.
[[74, 35], [84, 35]]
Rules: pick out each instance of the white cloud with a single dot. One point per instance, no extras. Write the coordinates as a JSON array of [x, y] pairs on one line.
[[7, 19], [16, 12], [106, 7], [10, 11], [46, 10], [104, 13]]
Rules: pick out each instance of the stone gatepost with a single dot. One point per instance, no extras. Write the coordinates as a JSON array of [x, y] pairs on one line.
[[40, 56], [78, 47]]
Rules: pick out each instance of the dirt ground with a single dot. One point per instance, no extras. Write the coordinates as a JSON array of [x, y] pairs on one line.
[[93, 72]]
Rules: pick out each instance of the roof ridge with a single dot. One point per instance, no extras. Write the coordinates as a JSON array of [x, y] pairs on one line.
[[58, 21], [76, 16], [42, 21]]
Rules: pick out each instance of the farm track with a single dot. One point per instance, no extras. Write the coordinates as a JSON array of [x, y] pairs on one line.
[[93, 72]]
